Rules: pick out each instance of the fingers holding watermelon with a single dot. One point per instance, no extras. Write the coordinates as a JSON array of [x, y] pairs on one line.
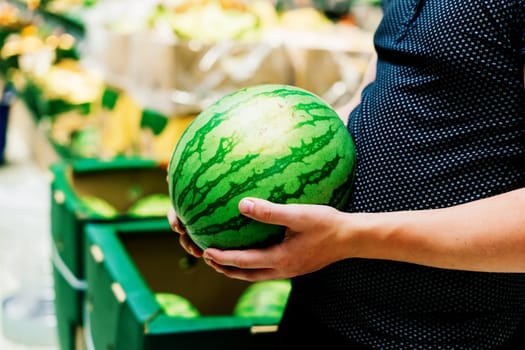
[[184, 239], [250, 275], [174, 222], [271, 213], [309, 244]]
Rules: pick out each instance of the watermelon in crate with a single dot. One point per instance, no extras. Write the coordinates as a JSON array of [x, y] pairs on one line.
[[276, 142], [144, 292]]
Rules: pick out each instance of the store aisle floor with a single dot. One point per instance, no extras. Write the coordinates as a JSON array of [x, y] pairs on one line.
[[26, 312]]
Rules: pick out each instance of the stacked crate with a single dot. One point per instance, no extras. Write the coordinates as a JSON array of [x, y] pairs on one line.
[[108, 269], [128, 263], [120, 182]]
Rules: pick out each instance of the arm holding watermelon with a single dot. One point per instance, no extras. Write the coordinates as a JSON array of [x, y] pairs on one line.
[[458, 237]]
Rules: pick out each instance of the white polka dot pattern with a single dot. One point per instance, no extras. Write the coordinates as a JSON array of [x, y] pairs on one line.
[[443, 124]]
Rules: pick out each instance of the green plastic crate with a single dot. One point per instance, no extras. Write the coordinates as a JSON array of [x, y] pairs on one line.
[[128, 263], [121, 182], [68, 299]]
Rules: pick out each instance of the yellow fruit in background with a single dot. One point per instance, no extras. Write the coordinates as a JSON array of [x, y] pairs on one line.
[[265, 11], [211, 23], [305, 18], [68, 81], [162, 145], [121, 126]]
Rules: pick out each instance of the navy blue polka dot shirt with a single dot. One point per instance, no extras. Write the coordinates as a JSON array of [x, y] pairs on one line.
[[443, 124]]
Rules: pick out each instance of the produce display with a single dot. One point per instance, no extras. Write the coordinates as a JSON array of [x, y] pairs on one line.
[[206, 49], [277, 142], [12, 21], [260, 299], [148, 206], [200, 20], [115, 125], [63, 55], [221, 95]]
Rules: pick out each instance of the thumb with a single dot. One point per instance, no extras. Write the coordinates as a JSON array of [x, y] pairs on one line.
[[264, 211]]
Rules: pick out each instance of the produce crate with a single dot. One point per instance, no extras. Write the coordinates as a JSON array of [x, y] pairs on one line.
[[127, 264], [119, 182], [69, 293]]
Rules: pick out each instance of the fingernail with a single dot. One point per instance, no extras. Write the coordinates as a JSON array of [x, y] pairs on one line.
[[246, 206]]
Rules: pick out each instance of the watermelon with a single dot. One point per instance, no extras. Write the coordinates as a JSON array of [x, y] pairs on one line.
[[176, 305], [277, 142], [264, 299], [156, 204], [98, 206]]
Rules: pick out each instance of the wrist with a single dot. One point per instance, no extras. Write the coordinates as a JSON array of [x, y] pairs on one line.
[[367, 235]]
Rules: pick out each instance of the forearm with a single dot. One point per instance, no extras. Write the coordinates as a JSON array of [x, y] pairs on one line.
[[484, 235]]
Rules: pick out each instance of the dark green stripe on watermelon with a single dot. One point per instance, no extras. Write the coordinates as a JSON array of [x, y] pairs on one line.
[[275, 142]]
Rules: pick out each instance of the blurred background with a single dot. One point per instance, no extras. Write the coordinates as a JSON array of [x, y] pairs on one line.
[[91, 88]]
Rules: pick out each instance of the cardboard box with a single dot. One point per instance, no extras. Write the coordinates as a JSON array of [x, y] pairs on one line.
[[128, 263], [120, 182]]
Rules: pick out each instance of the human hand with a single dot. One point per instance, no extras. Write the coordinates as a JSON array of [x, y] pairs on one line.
[[184, 239], [311, 242]]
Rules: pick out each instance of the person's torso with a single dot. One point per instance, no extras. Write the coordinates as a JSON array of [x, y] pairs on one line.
[[446, 122], [443, 124]]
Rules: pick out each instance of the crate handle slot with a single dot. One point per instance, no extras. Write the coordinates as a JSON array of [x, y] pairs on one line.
[[118, 291], [264, 329], [96, 253], [59, 197]]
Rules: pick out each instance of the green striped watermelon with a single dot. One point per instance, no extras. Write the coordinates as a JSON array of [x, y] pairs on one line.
[[264, 299], [276, 142]]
